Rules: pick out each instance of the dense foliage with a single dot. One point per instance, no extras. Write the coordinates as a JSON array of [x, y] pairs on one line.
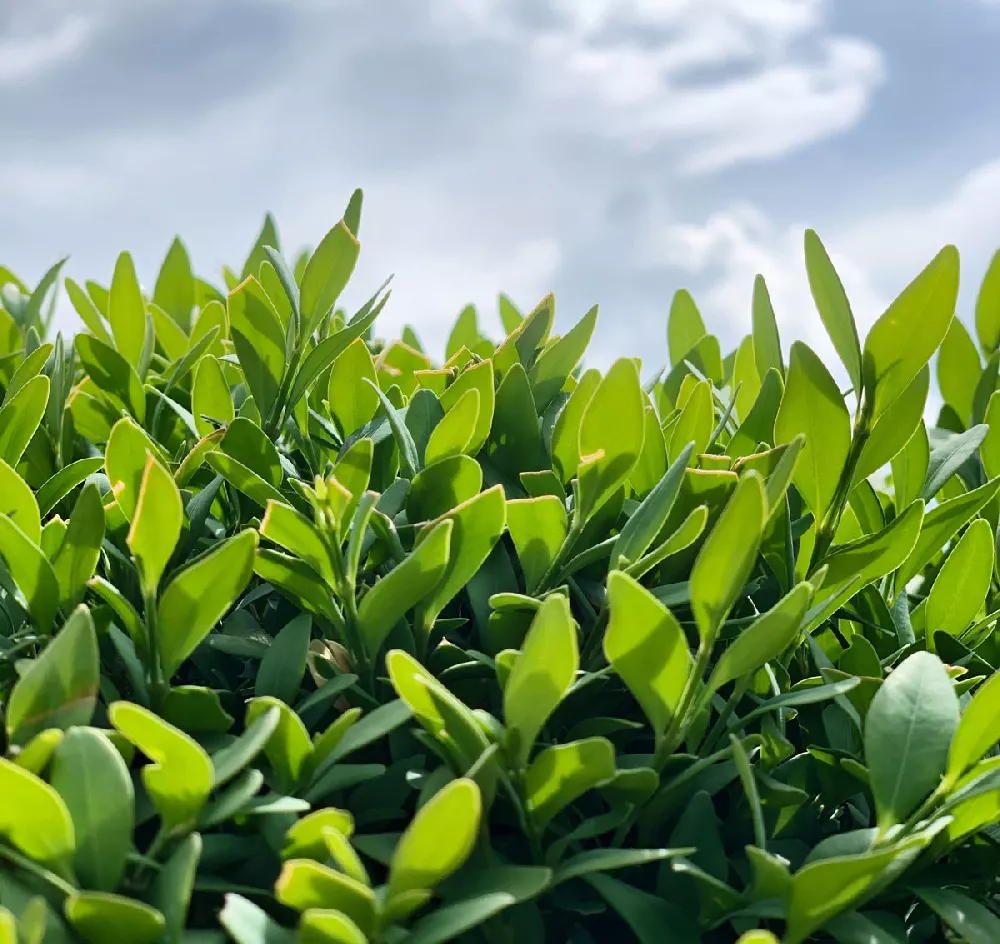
[[306, 637]]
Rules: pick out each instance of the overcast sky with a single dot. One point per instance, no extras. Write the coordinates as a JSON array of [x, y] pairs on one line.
[[609, 150]]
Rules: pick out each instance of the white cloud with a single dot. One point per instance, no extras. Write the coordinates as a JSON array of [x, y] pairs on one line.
[[727, 81], [23, 58], [876, 256]]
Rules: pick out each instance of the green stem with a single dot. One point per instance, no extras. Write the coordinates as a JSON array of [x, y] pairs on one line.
[[555, 568], [719, 728], [682, 721], [29, 865], [157, 683]]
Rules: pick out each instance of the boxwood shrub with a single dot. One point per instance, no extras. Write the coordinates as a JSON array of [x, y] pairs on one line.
[[309, 636]]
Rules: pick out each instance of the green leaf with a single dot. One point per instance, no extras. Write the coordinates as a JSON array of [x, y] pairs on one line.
[[404, 586], [978, 730], [685, 327], [453, 434], [766, 342], [230, 760], [648, 520], [727, 557], [648, 649], [970, 920], [961, 585], [515, 441], [758, 425], [647, 915], [284, 664], [538, 528], [764, 639], [304, 884], [948, 458], [909, 466], [478, 524], [246, 923], [29, 368], [556, 363], [484, 894], [127, 311], [319, 926], [812, 405], [172, 887], [438, 840], [695, 424], [823, 889], [908, 731], [174, 291], [327, 273], [33, 817], [114, 376], [210, 396], [894, 428], [17, 502], [561, 774], [352, 401], [199, 595], [833, 307], [195, 709], [56, 488], [440, 487], [85, 766], [156, 525], [289, 748], [259, 340], [179, 776], [32, 573], [611, 436], [958, 370], [59, 690], [903, 339], [940, 525], [287, 528], [19, 418], [478, 377], [87, 310], [125, 462], [542, 674], [99, 917], [565, 447], [988, 307]]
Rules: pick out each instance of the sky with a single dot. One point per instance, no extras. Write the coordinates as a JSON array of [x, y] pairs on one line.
[[611, 151]]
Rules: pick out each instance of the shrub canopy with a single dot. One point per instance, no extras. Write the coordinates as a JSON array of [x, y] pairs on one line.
[[309, 637]]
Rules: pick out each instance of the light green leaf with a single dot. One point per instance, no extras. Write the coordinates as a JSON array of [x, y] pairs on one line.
[[685, 327], [906, 336], [199, 595], [727, 557], [59, 690], [978, 730], [87, 766], [555, 364], [304, 884], [961, 585], [33, 817], [895, 427], [766, 342], [958, 370], [87, 310], [20, 416], [114, 376], [179, 776], [764, 639], [542, 674], [988, 307], [833, 306], [324, 926], [478, 524], [909, 467], [515, 441], [438, 840], [56, 488], [174, 291], [259, 340], [289, 748], [812, 405], [948, 458], [611, 436], [352, 401], [561, 774], [125, 462], [17, 502], [327, 273], [294, 532], [127, 311], [538, 527], [156, 525], [404, 586], [908, 731], [758, 424], [210, 396], [695, 424], [565, 447], [99, 917], [648, 649], [480, 378], [453, 434], [31, 572], [234, 757]]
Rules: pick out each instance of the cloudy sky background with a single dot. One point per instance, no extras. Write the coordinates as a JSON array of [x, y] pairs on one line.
[[609, 150]]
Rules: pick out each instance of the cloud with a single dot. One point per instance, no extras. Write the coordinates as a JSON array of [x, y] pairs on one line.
[[875, 255], [26, 56]]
